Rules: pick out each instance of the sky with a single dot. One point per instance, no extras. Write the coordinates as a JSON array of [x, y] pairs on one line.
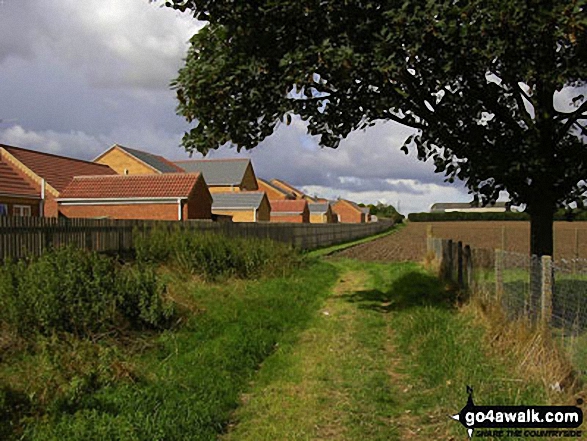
[[77, 77]]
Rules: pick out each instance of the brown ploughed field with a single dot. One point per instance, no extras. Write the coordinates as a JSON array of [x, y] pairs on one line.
[[409, 243]]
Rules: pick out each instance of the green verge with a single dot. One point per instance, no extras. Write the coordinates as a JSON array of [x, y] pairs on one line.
[[191, 379], [386, 358]]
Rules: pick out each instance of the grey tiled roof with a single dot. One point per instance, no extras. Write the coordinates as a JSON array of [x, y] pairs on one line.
[[225, 201], [154, 161], [217, 171], [318, 207]]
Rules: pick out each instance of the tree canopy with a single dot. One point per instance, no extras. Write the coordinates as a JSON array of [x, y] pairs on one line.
[[495, 88]]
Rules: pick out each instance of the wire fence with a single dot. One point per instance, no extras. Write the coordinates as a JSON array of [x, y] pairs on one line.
[[539, 290]]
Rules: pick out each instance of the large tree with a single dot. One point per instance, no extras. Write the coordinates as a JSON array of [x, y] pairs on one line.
[[494, 88]]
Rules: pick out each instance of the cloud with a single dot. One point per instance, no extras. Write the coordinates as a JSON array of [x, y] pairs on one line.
[[115, 43], [81, 145]]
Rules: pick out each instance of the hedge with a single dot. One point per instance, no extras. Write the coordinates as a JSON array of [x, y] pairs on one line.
[[561, 215]]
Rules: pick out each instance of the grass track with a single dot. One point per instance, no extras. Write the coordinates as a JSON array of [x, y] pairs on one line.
[[377, 363]]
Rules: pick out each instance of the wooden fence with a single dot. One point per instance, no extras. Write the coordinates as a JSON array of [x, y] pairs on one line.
[[20, 236]]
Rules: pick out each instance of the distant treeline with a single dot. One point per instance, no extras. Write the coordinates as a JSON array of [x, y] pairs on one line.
[[561, 215], [384, 211]]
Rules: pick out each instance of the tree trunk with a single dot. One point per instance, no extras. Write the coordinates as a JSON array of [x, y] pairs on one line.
[[541, 244], [541, 232]]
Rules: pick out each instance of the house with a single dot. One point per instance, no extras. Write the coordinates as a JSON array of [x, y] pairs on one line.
[[348, 212], [274, 193], [223, 175], [19, 195], [321, 213], [50, 173], [367, 212], [169, 196], [127, 161], [292, 190], [448, 207], [290, 211], [245, 206]]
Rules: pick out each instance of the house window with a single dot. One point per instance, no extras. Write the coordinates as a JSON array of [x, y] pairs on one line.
[[22, 210], [3, 210]]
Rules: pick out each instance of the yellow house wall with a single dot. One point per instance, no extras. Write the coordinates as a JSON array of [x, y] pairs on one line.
[[249, 182], [119, 161], [264, 211], [238, 215], [317, 219], [272, 193], [223, 189]]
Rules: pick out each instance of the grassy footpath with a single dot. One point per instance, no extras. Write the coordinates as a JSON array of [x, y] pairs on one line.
[[190, 380], [385, 359]]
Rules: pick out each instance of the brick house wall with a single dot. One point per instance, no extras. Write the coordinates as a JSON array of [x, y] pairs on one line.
[[199, 203], [119, 161], [247, 215], [264, 211], [347, 213], [168, 211], [10, 202]]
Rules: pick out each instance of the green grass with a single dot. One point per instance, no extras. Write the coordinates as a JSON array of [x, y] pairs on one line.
[[390, 361], [380, 355], [189, 380]]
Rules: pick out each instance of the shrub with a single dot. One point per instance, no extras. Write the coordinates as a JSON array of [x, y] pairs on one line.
[[141, 296], [66, 290], [215, 256], [78, 292]]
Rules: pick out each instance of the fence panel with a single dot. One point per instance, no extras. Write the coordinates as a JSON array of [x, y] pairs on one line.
[[20, 237]]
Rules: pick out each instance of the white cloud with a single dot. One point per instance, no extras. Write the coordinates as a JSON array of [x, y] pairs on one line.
[[80, 145]]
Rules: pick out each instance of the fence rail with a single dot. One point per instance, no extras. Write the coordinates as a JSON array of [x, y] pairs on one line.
[[551, 294], [20, 236]]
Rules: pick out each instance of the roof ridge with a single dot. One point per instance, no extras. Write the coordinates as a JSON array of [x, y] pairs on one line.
[[150, 175], [211, 160], [54, 155]]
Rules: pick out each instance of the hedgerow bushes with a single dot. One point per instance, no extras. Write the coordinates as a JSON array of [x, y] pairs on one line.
[[214, 256], [73, 291]]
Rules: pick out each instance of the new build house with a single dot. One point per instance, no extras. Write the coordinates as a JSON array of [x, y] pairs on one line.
[[290, 211], [298, 194], [127, 161], [321, 213], [48, 173], [274, 192], [19, 195], [223, 175], [348, 212], [250, 206], [170, 196]]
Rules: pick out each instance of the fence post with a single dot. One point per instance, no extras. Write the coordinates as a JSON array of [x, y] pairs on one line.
[[468, 264], [547, 287], [498, 276], [460, 264]]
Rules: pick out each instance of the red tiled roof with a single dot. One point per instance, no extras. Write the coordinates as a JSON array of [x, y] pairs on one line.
[[288, 206], [56, 170], [167, 185], [13, 183]]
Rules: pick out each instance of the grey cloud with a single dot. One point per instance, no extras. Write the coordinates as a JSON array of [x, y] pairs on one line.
[[116, 43]]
